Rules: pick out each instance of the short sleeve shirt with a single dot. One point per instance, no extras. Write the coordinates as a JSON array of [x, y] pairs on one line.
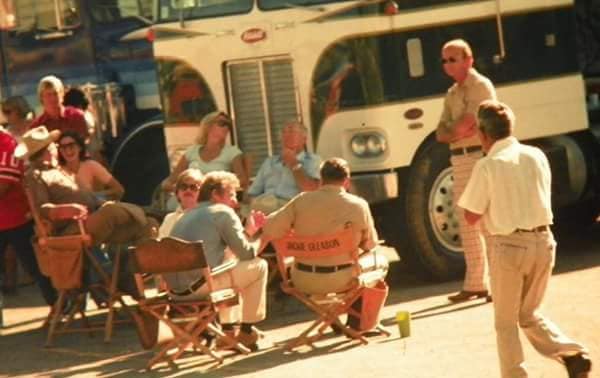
[[275, 178], [71, 119], [510, 187], [326, 210], [465, 99], [13, 204], [223, 162]]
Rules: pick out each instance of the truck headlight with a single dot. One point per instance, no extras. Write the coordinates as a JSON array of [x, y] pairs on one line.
[[368, 144]]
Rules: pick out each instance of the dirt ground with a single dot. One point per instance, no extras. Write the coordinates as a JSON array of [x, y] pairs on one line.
[[447, 340]]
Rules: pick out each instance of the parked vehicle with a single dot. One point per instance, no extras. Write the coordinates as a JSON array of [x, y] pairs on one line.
[[81, 43]]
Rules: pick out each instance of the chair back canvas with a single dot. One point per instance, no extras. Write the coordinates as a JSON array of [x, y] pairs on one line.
[[342, 243]]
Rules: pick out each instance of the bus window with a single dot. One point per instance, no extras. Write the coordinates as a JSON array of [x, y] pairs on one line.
[[184, 94], [46, 15], [414, 52], [176, 10], [111, 11]]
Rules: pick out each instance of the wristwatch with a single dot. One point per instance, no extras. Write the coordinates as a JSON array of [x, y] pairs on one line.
[[296, 167]]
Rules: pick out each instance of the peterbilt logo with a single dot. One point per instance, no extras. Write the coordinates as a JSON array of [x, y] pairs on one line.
[[254, 35]]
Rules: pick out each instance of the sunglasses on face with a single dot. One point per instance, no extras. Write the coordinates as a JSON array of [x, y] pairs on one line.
[[449, 60], [223, 123], [66, 146], [192, 187]]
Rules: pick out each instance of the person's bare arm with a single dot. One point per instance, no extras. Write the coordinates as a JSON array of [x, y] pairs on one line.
[[114, 190], [463, 128], [168, 184]]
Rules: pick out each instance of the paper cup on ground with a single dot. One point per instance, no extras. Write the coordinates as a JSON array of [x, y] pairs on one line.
[[403, 320]]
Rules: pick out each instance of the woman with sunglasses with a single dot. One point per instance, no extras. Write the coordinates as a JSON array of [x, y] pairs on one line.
[[18, 115], [187, 188], [88, 173], [211, 153]]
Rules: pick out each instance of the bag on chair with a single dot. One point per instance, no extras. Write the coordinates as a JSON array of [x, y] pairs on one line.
[[66, 267], [369, 306]]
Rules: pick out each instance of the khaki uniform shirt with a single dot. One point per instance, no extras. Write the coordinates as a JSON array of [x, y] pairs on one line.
[[511, 187], [464, 99], [324, 211]]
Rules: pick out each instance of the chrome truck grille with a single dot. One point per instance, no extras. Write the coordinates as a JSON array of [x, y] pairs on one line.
[[263, 95]]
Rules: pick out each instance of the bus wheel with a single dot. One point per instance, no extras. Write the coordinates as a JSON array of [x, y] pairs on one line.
[[431, 221]]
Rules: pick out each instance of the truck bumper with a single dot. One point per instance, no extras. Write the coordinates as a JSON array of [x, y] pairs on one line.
[[375, 187]]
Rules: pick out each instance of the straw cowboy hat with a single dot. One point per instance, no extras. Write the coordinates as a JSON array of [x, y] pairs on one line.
[[35, 140]]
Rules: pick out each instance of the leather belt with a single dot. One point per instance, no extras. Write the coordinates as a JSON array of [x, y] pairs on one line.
[[464, 150], [535, 229], [321, 269], [191, 289]]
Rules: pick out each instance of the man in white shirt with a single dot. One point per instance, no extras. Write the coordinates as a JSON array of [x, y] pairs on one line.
[[510, 189]]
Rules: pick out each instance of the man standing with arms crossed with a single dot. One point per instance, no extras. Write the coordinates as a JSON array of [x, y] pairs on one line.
[[457, 127], [510, 189]]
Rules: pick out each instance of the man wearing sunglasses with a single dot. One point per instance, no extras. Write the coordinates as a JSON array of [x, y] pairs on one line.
[[457, 128]]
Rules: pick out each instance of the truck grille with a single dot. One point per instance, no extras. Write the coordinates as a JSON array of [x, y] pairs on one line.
[[263, 96]]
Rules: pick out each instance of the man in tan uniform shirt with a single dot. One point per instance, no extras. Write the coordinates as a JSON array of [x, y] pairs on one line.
[[327, 210], [510, 189], [457, 127]]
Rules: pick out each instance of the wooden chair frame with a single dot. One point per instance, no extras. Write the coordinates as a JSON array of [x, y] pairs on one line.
[[193, 317], [330, 307], [60, 322]]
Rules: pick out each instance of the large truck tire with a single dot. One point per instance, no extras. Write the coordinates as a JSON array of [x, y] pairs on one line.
[[141, 163], [431, 220]]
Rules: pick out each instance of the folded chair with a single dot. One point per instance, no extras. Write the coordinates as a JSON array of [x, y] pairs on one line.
[[331, 306], [62, 258], [189, 320]]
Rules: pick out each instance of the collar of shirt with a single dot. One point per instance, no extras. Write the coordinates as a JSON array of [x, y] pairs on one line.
[[300, 157], [332, 188], [502, 144]]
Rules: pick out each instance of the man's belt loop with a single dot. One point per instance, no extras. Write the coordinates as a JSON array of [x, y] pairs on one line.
[[465, 150]]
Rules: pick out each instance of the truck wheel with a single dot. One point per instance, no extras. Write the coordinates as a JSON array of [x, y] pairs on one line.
[[141, 163], [431, 221]]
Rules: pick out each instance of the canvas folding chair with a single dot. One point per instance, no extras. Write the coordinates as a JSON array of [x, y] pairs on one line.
[[328, 307], [187, 319], [62, 258]]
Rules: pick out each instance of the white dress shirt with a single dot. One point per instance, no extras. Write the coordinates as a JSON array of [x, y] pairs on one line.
[[510, 187]]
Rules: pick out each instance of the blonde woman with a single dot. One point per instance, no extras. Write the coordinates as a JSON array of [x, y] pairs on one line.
[[210, 153], [187, 188]]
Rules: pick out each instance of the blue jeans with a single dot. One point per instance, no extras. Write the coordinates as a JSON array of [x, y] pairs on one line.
[[20, 239]]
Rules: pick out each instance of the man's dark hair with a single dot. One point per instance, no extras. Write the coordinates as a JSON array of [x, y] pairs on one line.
[[496, 120], [334, 170], [76, 97]]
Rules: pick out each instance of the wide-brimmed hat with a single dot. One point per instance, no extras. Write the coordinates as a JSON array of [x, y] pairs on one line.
[[35, 140]]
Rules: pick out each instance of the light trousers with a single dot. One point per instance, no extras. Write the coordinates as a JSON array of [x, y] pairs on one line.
[[520, 268]]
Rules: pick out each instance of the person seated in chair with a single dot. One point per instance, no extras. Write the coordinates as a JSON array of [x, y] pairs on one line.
[[59, 199], [282, 176], [215, 222], [325, 211], [57, 196]]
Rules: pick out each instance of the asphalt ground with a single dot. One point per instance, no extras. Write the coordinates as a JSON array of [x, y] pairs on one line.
[[447, 340]]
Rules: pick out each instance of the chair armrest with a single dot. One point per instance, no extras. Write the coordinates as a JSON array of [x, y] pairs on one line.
[[225, 267]]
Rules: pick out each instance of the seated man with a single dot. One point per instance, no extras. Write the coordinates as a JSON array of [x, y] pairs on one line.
[[58, 197], [281, 177], [215, 222], [327, 210]]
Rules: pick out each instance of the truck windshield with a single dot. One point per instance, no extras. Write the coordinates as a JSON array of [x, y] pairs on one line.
[[176, 10], [112, 11], [280, 4], [45, 15]]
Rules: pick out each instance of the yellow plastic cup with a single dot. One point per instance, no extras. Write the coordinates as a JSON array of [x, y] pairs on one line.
[[403, 320]]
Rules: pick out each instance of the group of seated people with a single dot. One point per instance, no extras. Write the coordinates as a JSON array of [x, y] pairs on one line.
[[296, 190]]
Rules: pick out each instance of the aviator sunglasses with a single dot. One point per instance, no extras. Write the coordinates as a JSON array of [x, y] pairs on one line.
[[449, 60], [192, 187]]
